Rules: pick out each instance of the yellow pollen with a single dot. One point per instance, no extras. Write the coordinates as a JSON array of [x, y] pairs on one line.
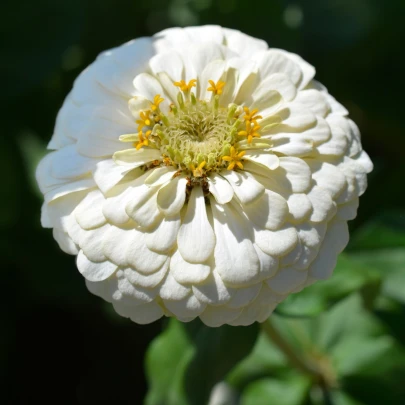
[[251, 131], [234, 158], [216, 88], [251, 116], [144, 121], [184, 86], [143, 139], [198, 171], [156, 101]]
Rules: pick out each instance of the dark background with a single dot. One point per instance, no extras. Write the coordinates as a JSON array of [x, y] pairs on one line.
[[64, 345]]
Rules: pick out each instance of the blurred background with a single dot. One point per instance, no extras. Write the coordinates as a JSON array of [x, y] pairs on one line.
[[61, 344]]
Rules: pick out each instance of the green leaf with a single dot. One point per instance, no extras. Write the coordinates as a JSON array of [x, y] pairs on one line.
[[349, 276], [288, 391], [264, 360], [387, 230], [187, 360], [390, 263], [166, 360]]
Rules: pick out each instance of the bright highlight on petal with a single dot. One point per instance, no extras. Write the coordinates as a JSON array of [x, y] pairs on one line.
[[216, 202]]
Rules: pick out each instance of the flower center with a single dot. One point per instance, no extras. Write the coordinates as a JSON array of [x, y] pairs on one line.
[[196, 136]]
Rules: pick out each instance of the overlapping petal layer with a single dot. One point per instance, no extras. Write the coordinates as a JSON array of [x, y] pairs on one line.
[[228, 252]]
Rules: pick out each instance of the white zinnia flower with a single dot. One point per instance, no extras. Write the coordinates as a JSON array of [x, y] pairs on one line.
[[200, 173]]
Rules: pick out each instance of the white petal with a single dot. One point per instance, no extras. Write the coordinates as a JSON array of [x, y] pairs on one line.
[[107, 174], [243, 44], [168, 62], [135, 158], [276, 243], [172, 290], [273, 61], [269, 211], [147, 313], [160, 176], [196, 239], [214, 317], [205, 33], [235, 257], [246, 188], [171, 197], [65, 242], [148, 280], [243, 296], [147, 86], [311, 235], [187, 308], [299, 206], [94, 271], [348, 211], [69, 188], [213, 291], [327, 176], [215, 71], [315, 101], [140, 257], [323, 206], [89, 212], [297, 172], [91, 243], [142, 208], [188, 273], [220, 188], [336, 145], [268, 264], [268, 160], [337, 237], [286, 280], [68, 163], [263, 96], [164, 237], [138, 104]]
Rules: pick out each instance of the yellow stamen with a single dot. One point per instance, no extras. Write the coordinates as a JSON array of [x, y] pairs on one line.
[[156, 101], [198, 172], [251, 131], [216, 88], [144, 121], [250, 116], [143, 139], [184, 86], [234, 158]]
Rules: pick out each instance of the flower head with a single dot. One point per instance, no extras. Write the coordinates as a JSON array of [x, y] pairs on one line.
[[209, 176]]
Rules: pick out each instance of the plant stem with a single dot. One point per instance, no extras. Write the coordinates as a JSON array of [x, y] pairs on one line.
[[294, 358]]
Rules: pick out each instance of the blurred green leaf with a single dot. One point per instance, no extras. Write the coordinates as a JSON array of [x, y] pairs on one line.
[[264, 360], [348, 276], [387, 230], [288, 391], [187, 360], [390, 263]]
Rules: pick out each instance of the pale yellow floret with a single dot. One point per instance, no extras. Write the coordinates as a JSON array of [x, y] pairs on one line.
[[250, 116], [251, 131], [234, 158], [156, 101], [216, 88], [144, 120], [198, 171], [143, 139], [184, 86], [196, 136]]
